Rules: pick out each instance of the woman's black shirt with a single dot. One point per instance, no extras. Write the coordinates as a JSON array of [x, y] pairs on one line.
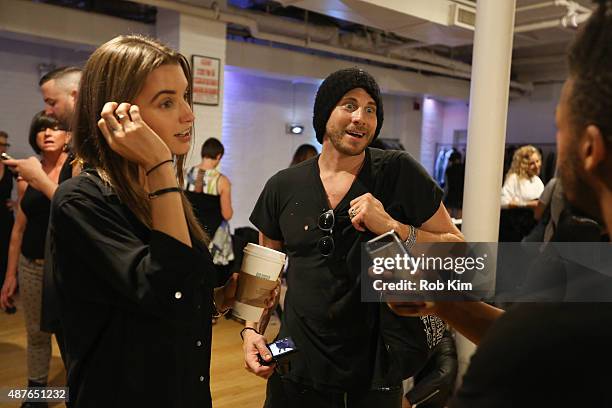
[[135, 303]]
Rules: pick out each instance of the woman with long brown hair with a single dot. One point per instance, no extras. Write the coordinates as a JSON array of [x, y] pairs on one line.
[[135, 280]]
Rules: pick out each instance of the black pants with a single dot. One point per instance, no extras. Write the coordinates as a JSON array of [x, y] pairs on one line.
[[282, 393]]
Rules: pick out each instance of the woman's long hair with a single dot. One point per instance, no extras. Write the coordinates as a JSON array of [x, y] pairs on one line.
[[520, 161], [117, 71]]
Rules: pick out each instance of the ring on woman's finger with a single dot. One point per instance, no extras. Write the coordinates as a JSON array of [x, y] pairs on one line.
[[121, 116], [353, 212]]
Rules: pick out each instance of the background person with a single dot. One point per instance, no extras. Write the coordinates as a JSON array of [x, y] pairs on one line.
[[522, 186], [27, 248], [59, 89], [6, 206], [453, 184], [210, 194], [215, 204]]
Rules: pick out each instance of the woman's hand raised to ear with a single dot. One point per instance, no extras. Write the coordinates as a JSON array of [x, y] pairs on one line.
[[129, 136]]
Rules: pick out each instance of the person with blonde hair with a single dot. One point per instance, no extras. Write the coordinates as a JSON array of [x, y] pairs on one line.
[[523, 186], [134, 276]]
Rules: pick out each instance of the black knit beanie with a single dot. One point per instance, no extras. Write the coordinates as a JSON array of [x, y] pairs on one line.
[[334, 87]]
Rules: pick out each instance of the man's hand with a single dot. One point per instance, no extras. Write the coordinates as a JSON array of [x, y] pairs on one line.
[[254, 344], [271, 302], [366, 212]]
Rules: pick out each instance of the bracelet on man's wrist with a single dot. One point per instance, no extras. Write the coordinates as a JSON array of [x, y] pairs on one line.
[[412, 235], [245, 329]]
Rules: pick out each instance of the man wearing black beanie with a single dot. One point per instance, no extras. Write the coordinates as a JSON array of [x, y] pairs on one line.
[[319, 212]]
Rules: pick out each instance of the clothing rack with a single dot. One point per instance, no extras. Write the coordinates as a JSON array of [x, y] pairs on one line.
[[548, 151]]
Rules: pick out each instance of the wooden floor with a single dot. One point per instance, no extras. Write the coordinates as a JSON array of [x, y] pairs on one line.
[[231, 385]]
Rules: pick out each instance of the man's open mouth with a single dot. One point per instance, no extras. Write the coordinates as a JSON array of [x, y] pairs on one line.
[[356, 134]]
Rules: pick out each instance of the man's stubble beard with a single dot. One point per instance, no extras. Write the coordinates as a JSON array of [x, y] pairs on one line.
[[336, 139]]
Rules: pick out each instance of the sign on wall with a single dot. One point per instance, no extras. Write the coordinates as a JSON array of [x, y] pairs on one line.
[[205, 80]]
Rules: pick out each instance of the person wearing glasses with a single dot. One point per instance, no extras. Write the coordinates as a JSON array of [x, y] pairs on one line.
[[320, 211]]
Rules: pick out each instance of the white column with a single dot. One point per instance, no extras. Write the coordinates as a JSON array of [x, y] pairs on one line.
[[491, 61], [197, 36], [489, 90]]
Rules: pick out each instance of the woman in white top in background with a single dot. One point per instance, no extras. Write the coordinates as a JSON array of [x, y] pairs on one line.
[[523, 186]]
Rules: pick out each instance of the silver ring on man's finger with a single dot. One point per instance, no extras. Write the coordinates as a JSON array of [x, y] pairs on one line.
[[121, 116]]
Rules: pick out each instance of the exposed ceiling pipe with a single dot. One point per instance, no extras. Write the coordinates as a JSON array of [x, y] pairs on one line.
[[555, 3], [549, 59], [407, 46], [260, 25], [569, 21], [252, 25], [360, 43], [576, 14], [278, 25]]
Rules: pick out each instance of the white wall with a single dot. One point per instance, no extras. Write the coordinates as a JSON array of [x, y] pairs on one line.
[[455, 118], [403, 122], [206, 38], [432, 131], [531, 119], [255, 112]]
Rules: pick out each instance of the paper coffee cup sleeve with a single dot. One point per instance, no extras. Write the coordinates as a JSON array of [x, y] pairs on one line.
[[259, 273]]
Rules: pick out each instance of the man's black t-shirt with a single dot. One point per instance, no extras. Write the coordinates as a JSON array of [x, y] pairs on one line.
[[543, 355], [335, 332]]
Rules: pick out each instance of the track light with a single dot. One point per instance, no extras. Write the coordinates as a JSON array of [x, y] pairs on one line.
[[294, 129]]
